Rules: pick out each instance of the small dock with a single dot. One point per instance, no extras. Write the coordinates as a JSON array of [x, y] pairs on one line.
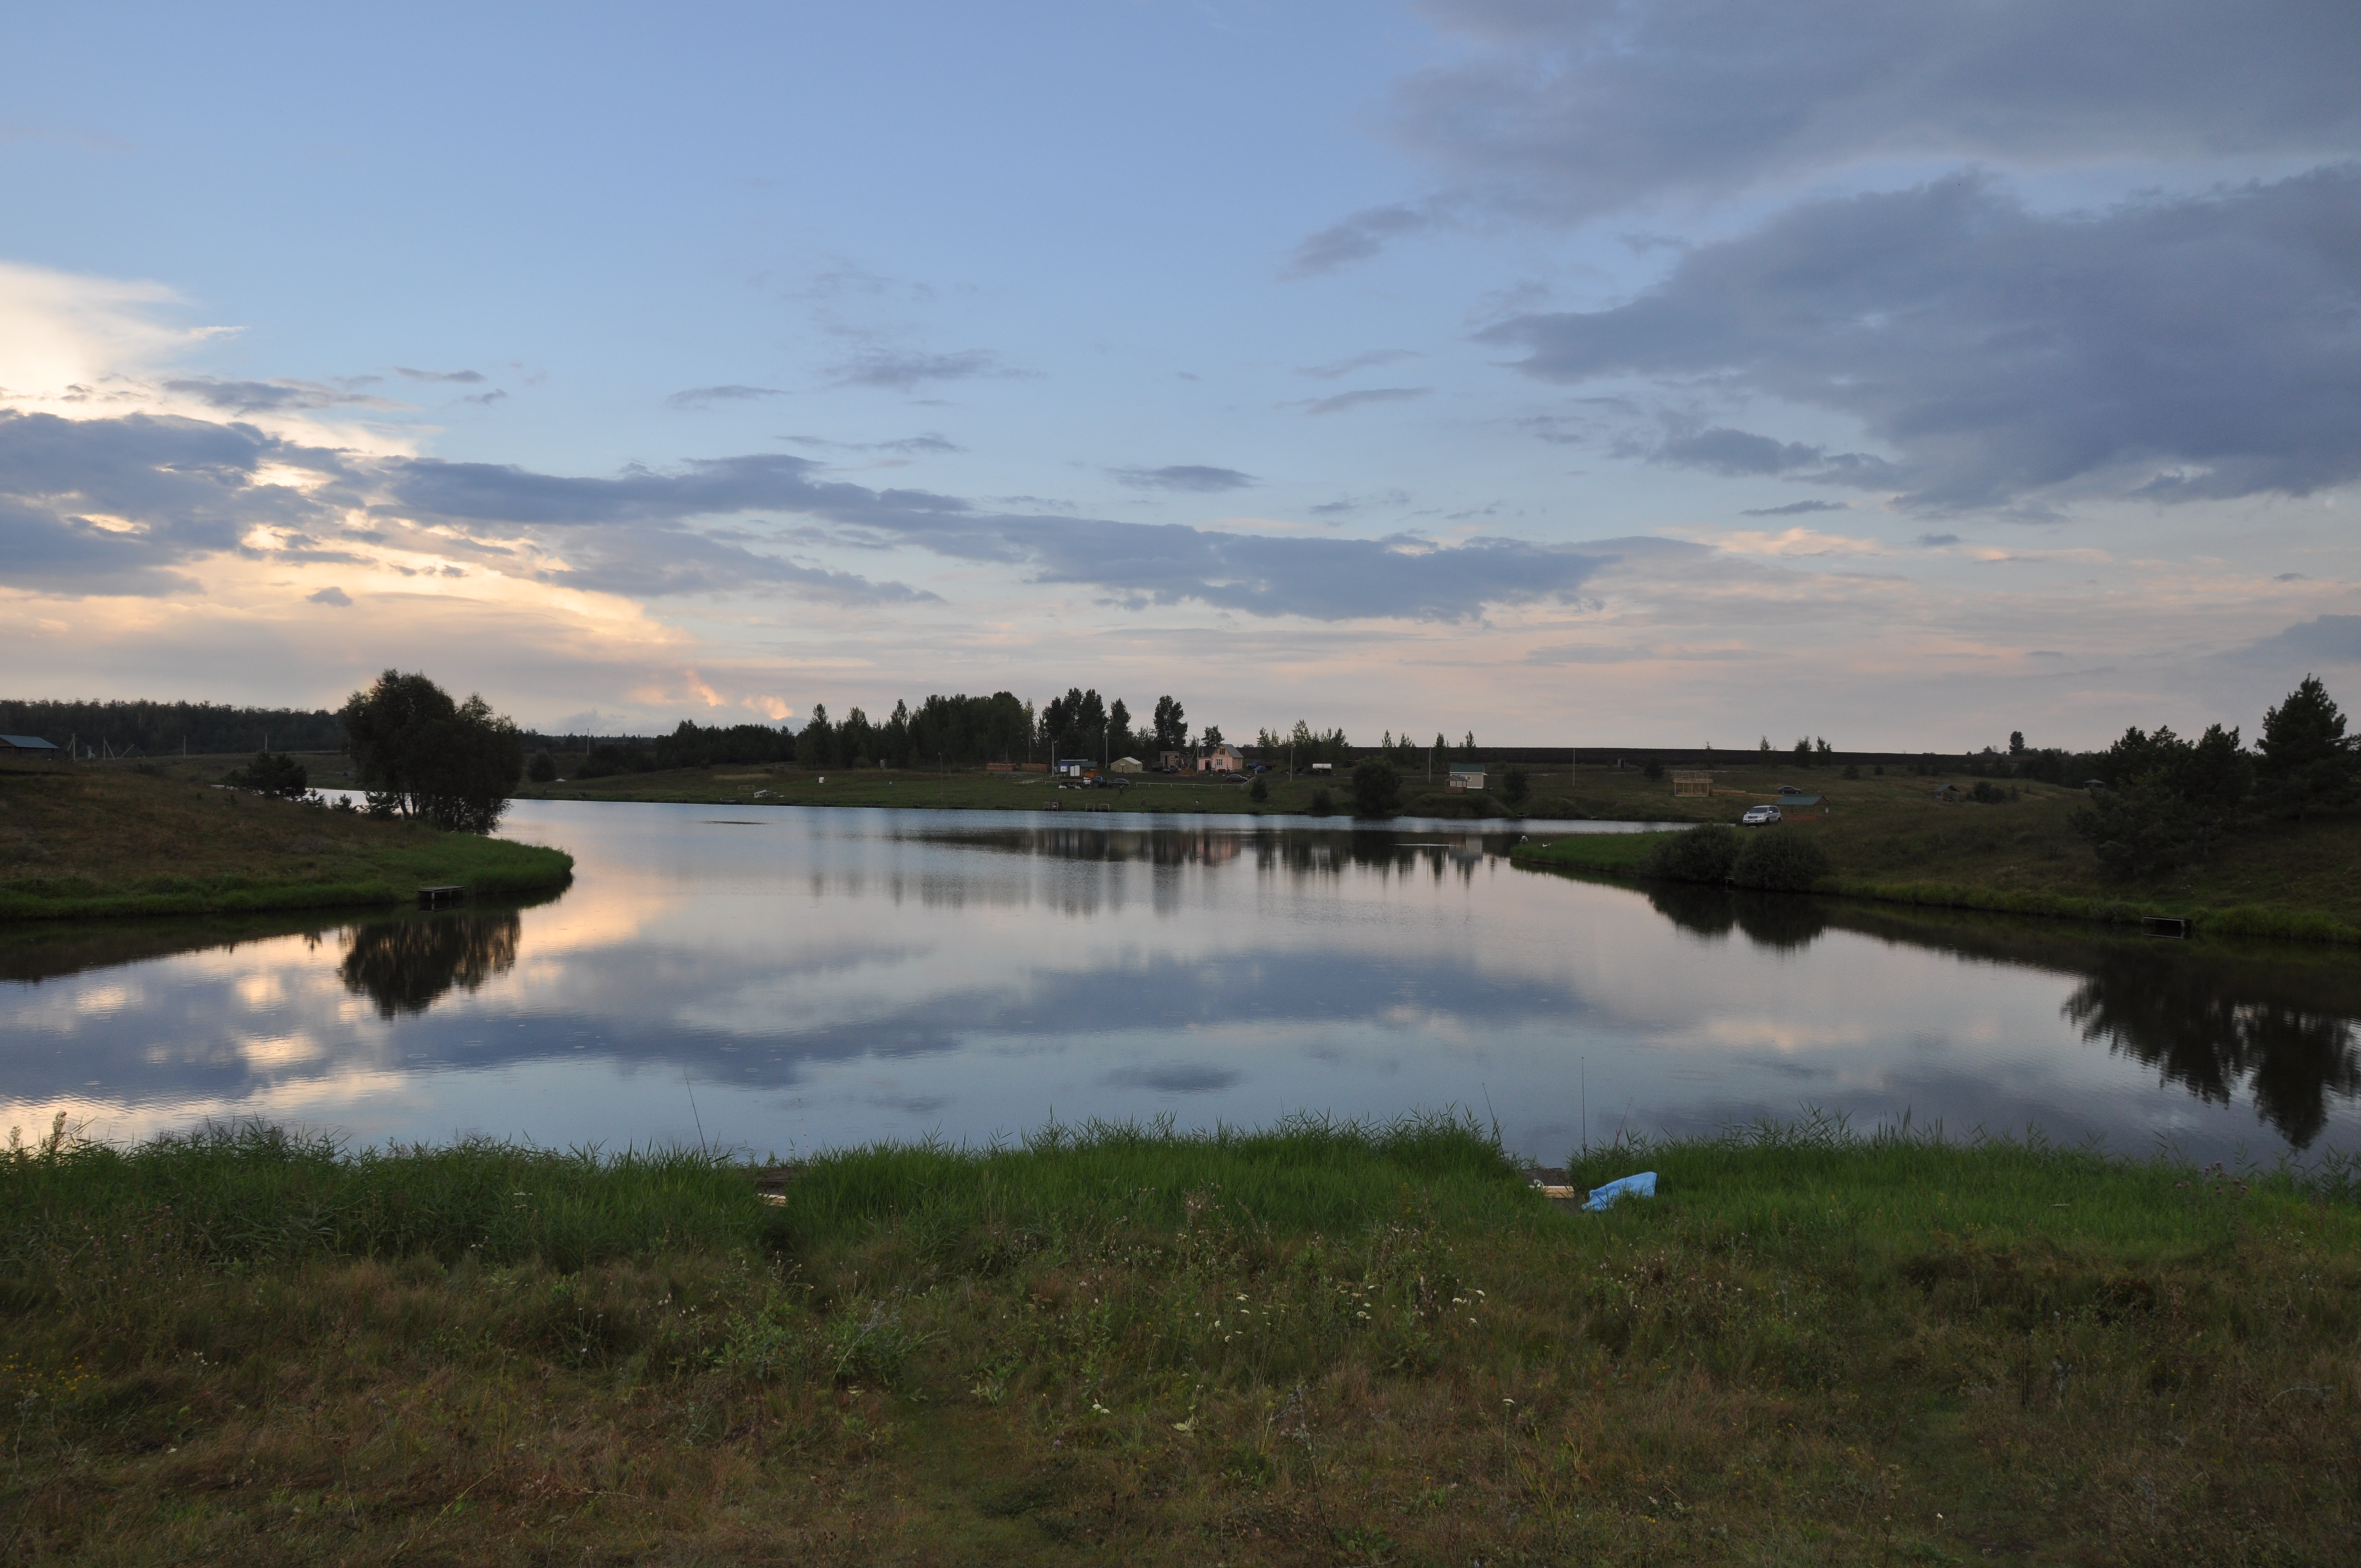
[[438, 898]]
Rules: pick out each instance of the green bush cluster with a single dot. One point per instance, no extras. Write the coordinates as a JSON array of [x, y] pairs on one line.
[[1701, 854], [1780, 863], [1772, 859]]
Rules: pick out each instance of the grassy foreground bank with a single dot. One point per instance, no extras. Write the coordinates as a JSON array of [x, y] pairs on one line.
[[1317, 1344], [82, 843]]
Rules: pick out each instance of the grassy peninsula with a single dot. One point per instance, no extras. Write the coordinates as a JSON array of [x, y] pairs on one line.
[[1895, 837], [81, 842], [1320, 1344]]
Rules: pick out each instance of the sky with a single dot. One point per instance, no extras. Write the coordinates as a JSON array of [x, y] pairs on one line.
[[1665, 372]]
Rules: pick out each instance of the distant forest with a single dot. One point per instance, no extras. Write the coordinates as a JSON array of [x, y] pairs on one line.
[[955, 731], [153, 728]]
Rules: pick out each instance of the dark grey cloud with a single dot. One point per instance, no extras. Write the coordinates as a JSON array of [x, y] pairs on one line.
[[1195, 476], [925, 445], [1565, 111], [463, 377], [1339, 369], [650, 562], [1725, 451], [904, 371], [1795, 509], [1345, 402], [272, 396], [706, 397], [1323, 579], [1936, 541], [1356, 238], [2175, 348], [1742, 454], [1343, 505], [337, 597], [111, 505], [2324, 639]]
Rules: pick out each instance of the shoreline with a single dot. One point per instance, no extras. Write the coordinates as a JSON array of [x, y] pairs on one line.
[[2245, 921], [269, 896]]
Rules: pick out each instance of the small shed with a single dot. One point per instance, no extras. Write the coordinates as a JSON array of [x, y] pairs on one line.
[[1126, 765], [1466, 775], [1077, 768], [1173, 761], [30, 746], [1691, 782]]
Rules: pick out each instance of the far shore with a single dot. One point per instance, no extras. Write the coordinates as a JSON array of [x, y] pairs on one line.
[[1892, 837]]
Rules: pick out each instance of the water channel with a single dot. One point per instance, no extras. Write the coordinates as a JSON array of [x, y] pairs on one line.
[[784, 980]]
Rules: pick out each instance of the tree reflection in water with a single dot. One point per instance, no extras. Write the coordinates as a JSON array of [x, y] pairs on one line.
[[2202, 1029], [1770, 919], [406, 966], [2215, 1023]]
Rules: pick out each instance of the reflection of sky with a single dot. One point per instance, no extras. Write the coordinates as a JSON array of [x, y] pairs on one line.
[[796, 978]]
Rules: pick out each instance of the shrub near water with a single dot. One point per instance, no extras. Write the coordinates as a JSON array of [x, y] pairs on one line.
[[1779, 862], [1320, 1343], [1701, 854]]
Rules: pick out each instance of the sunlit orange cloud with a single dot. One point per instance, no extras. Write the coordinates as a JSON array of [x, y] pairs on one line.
[[1791, 542]]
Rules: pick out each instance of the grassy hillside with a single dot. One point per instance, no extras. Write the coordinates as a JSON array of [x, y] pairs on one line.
[[1320, 1344], [82, 843]]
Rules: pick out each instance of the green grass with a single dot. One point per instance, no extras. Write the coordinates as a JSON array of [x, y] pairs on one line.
[[1321, 1343], [115, 844]]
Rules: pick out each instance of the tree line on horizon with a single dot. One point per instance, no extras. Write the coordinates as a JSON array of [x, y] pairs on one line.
[[969, 732], [139, 728], [954, 731]]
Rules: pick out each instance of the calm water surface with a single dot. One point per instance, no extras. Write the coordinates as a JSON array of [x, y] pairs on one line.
[[784, 979]]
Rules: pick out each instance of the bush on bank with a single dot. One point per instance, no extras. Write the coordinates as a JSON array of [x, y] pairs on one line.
[[1700, 854], [1781, 863]]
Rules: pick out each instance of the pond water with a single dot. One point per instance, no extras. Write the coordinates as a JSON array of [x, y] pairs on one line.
[[784, 980]]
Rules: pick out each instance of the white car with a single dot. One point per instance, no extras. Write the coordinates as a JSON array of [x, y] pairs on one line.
[[1759, 816]]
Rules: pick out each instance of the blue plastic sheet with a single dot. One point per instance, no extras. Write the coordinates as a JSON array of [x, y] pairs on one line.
[[1640, 1186]]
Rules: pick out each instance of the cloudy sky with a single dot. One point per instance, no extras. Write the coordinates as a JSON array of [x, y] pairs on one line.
[[1661, 372]]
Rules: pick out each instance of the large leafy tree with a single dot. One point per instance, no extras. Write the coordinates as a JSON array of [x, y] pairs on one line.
[[2304, 763], [424, 756], [1171, 725]]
